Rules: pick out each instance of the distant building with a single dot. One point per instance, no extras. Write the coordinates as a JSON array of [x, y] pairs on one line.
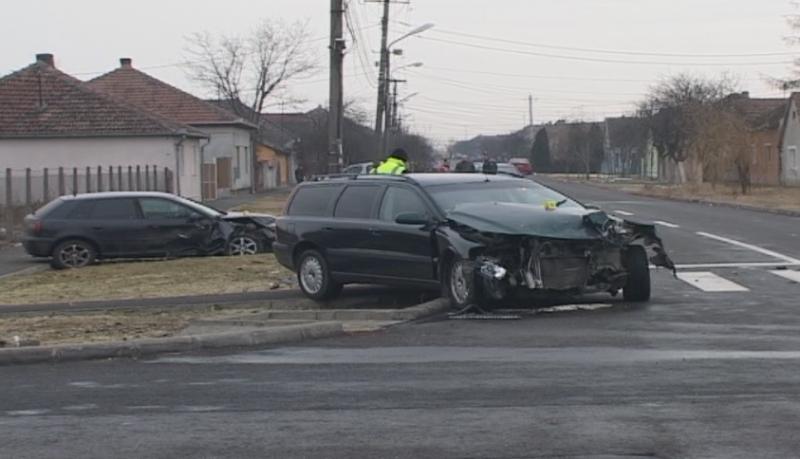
[[789, 143], [765, 118]]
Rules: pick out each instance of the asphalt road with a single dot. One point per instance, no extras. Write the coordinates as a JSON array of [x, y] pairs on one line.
[[707, 369]]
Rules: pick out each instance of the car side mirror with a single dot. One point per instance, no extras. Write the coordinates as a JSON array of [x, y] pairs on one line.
[[412, 218]]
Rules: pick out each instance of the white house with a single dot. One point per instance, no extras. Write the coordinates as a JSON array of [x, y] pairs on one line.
[[790, 143], [229, 152], [50, 120]]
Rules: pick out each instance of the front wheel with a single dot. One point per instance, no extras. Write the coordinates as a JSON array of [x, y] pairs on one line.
[[245, 244], [314, 277], [461, 286], [637, 287], [73, 253]]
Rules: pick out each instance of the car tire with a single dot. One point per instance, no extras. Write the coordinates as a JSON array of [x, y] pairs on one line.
[[462, 290], [73, 253], [244, 244], [637, 287], [314, 277]]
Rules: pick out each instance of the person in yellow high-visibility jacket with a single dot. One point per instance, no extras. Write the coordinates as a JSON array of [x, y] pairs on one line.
[[395, 164]]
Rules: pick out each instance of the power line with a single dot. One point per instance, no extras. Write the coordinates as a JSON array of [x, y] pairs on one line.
[[599, 60]]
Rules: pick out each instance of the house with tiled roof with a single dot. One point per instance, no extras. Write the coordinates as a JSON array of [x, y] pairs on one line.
[[49, 119], [765, 118], [227, 158]]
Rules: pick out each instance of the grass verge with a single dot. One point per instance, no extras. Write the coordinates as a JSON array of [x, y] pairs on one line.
[[148, 279]]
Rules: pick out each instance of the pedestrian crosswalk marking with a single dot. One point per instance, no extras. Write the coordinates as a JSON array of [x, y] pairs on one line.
[[788, 274], [710, 282]]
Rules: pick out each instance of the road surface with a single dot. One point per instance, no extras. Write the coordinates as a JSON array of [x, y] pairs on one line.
[[707, 369]]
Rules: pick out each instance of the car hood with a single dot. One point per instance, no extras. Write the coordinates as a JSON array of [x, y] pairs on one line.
[[526, 220]]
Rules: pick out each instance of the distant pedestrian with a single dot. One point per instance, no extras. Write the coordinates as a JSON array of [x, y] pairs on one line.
[[489, 165], [299, 174], [445, 167]]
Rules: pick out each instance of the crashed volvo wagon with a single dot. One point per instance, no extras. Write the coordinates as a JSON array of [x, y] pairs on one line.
[[480, 238]]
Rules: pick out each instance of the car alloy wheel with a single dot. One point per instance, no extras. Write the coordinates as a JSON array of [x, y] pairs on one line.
[[243, 245], [311, 275], [75, 255], [460, 284]]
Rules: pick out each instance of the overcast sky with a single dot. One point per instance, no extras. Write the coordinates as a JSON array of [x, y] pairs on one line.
[[581, 59]]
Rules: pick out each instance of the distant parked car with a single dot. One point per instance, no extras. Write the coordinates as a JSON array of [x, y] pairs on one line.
[[77, 230], [359, 169], [523, 165]]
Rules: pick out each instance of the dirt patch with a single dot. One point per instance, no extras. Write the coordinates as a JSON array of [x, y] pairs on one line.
[[271, 204], [148, 279], [108, 326]]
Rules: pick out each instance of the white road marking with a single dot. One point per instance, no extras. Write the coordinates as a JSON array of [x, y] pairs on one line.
[[752, 247], [667, 224], [710, 282], [733, 265], [623, 212], [787, 274]]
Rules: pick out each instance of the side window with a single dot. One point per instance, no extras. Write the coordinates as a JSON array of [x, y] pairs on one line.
[[114, 209], [357, 201], [82, 210], [313, 201], [398, 201], [162, 209]]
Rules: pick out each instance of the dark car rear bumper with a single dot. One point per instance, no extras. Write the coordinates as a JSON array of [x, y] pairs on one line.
[[283, 254], [37, 247]]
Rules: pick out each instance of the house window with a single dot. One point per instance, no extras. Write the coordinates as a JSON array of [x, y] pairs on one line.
[[237, 170], [793, 157], [246, 160]]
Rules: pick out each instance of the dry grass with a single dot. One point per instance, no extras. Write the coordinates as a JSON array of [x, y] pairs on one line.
[[148, 279], [768, 197], [108, 326], [271, 204]]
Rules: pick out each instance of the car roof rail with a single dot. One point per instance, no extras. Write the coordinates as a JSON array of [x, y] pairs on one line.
[[388, 177]]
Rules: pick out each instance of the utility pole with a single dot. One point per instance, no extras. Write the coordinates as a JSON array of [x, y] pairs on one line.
[[391, 112], [383, 75], [336, 107], [530, 109]]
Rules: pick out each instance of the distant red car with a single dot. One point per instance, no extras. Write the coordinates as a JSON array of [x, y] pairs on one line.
[[523, 165]]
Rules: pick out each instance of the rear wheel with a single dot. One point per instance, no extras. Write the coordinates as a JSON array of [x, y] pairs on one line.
[[637, 287], [73, 253], [314, 276], [461, 286]]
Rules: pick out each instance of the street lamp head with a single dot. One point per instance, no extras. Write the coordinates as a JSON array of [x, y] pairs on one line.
[[416, 31]]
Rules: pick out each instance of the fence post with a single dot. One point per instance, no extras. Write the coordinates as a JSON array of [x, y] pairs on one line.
[[28, 188], [147, 177], [46, 185], [155, 178], [62, 186], [167, 180], [74, 180], [110, 178], [9, 201], [119, 178], [88, 179], [138, 178], [130, 179], [99, 179]]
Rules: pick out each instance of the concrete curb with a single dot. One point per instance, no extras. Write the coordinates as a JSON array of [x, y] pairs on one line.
[[406, 314], [148, 347]]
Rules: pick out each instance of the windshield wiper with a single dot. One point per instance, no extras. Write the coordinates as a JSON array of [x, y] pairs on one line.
[[562, 202]]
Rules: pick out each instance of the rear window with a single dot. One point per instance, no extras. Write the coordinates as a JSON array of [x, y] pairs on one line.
[[313, 201], [57, 208], [357, 202]]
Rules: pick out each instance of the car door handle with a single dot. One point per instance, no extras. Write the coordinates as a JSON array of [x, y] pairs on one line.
[[327, 228], [97, 228], [153, 226], [374, 232]]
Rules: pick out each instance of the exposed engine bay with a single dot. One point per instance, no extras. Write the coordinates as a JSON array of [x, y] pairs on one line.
[[574, 253]]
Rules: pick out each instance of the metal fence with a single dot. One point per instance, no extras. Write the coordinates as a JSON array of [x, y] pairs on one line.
[[24, 190]]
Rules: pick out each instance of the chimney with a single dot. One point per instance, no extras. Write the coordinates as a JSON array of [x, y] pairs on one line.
[[746, 94], [46, 58], [126, 63]]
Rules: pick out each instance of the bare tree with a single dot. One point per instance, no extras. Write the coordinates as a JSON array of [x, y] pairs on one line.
[[247, 70], [671, 111]]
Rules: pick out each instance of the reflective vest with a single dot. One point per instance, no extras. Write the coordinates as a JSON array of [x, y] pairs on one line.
[[392, 166]]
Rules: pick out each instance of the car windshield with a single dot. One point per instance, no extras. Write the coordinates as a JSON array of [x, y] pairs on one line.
[[448, 197]]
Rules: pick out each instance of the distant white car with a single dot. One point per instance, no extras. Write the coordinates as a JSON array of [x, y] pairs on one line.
[[359, 169]]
